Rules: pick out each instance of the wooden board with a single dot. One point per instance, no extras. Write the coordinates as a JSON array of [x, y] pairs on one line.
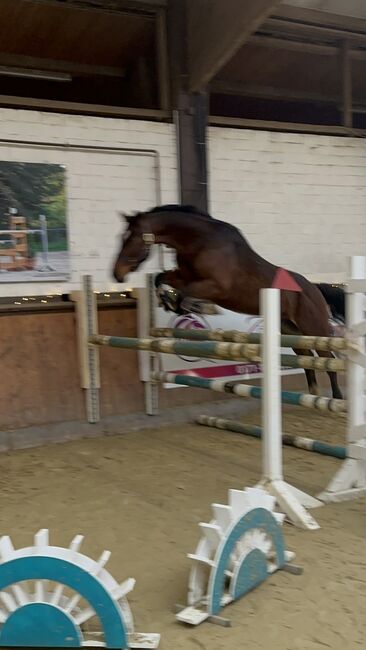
[[40, 382]]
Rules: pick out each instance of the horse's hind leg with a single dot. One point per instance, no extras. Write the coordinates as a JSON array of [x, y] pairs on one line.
[[311, 377], [310, 374], [288, 327], [336, 391], [312, 320]]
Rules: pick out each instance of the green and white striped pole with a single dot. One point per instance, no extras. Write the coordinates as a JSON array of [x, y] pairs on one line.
[[255, 392], [215, 350], [287, 439]]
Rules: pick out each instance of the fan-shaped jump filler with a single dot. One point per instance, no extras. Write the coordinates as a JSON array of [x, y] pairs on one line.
[[58, 597], [238, 550]]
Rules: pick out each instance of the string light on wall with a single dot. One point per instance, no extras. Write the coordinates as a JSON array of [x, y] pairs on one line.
[[59, 300]]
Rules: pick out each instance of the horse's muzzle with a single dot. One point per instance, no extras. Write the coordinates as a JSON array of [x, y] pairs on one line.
[[119, 272], [117, 276]]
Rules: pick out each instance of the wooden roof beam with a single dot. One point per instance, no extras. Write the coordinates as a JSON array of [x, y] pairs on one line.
[[216, 30], [53, 65], [240, 89], [282, 26], [290, 127], [307, 47], [143, 7], [320, 18], [58, 106]]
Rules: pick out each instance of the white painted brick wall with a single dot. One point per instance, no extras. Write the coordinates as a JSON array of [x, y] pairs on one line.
[[299, 199], [99, 184]]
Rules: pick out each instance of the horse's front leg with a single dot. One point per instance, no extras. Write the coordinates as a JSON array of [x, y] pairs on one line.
[[202, 296], [169, 298], [172, 278]]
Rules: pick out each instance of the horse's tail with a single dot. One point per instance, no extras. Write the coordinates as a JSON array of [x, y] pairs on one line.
[[335, 299]]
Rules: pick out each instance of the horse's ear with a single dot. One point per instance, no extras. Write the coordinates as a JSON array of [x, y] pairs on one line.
[[126, 217]]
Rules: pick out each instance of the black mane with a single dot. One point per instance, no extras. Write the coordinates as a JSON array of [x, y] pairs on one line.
[[177, 207]]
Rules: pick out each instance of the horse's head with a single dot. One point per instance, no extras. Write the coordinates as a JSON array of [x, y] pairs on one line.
[[135, 247]]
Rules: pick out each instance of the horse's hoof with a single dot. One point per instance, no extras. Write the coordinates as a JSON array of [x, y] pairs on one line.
[[169, 299], [196, 306], [158, 280]]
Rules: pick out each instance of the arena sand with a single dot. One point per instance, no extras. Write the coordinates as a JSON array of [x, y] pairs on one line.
[[142, 494]]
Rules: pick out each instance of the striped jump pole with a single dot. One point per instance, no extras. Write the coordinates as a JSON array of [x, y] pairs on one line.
[[215, 350], [335, 344], [287, 439], [255, 392]]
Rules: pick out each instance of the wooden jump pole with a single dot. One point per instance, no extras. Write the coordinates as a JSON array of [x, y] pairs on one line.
[[335, 344], [316, 446], [215, 350], [255, 392]]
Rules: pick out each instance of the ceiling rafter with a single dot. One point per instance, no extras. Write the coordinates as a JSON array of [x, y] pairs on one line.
[[143, 7], [216, 30]]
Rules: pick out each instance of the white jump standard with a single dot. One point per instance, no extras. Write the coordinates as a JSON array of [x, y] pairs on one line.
[[350, 481]]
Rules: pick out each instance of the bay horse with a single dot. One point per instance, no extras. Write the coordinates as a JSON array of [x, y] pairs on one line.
[[216, 264]]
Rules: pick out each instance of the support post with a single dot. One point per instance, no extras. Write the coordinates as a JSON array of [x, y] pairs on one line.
[[190, 112], [271, 402], [350, 481], [191, 124], [162, 60], [290, 500], [149, 362], [87, 325], [346, 81], [355, 308]]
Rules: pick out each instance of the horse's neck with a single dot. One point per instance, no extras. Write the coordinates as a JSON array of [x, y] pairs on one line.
[[176, 232]]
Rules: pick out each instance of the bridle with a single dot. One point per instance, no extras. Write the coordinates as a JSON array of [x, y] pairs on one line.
[[149, 241]]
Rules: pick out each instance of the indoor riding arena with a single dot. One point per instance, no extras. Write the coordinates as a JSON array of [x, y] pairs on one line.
[[182, 312]]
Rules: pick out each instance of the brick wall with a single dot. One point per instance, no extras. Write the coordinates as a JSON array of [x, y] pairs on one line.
[[99, 184], [299, 199]]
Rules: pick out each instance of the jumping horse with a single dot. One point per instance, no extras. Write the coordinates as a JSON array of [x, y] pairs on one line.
[[217, 266]]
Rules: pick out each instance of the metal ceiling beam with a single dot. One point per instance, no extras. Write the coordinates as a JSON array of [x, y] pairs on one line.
[[216, 30]]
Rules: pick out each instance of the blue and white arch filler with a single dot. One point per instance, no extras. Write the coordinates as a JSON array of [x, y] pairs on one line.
[[241, 546], [49, 593]]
